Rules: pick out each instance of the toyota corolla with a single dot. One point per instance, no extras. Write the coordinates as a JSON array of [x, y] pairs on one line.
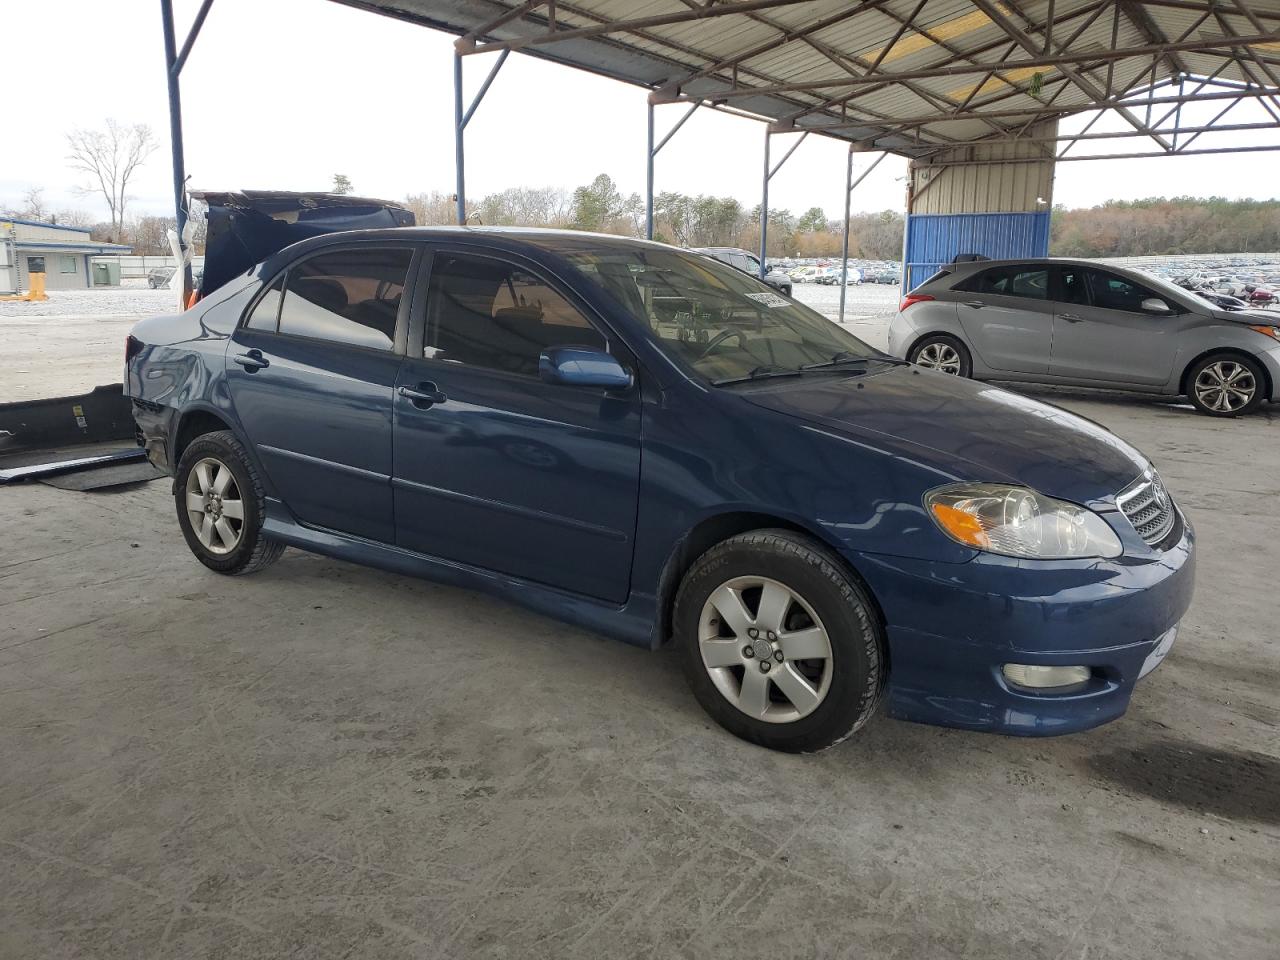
[[660, 448]]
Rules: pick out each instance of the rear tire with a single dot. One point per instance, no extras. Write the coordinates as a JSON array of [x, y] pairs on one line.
[[944, 353], [1226, 385], [779, 643], [221, 506]]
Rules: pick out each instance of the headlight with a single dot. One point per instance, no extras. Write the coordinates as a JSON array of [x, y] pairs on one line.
[[1018, 522]]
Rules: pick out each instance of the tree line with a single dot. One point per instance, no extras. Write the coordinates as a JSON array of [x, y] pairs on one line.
[[678, 218], [1158, 225]]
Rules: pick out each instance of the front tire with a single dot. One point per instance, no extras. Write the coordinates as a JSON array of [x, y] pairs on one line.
[[1226, 385], [221, 506], [778, 642], [943, 353]]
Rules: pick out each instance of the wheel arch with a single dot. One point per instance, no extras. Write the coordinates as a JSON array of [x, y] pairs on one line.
[[937, 332], [1184, 380], [721, 526], [192, 423]]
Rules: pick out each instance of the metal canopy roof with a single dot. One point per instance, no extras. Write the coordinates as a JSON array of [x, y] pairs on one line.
[[912, 77]]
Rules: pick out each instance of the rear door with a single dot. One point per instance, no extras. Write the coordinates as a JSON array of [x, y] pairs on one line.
[[1102, 333], [1007, 316], [496, 468], [311, 371]]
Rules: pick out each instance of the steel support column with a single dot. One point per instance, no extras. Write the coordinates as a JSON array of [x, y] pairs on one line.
[[648, 179], [764, 191], [764, 203], [652, 155], [173, 63], [850, 185], [460, 121], [459, 161]]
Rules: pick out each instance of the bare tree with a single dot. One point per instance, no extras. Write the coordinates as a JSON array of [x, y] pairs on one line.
[[111, 157], [341, 184]]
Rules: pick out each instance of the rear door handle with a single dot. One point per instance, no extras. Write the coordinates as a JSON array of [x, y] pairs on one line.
[[251, 361], [426, 394], [974, 303], [1070, 317]]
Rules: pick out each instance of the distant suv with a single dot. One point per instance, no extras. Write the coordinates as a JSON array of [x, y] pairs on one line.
[[1093, 325], [747, 263]]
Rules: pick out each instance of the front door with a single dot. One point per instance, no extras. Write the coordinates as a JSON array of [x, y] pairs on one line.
[[1101, 332], [496, 468], [1008, 318], [311, 372]]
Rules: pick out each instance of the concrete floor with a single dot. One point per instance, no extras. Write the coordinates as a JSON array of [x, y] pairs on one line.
[[326, 761]]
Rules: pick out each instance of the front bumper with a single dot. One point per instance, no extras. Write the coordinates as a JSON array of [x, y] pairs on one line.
[[951, 627]]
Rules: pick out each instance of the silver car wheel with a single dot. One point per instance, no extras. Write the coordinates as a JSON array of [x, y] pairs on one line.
[[214, 506], [939, 356], [765, 649], [1225, 386]]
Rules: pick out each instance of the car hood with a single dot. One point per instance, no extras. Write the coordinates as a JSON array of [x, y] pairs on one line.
[[962, 428], [245, 227], [1247, 315]]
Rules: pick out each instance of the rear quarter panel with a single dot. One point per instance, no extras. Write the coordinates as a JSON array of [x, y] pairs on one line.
[[930, 316]]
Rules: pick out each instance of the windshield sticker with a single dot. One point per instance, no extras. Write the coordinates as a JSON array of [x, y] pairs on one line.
[[770, 300]]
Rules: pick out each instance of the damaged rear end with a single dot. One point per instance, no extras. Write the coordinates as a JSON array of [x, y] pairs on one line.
[[247, 226]]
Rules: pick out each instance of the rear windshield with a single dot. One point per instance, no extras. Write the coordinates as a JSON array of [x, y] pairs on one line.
[[717, 321]]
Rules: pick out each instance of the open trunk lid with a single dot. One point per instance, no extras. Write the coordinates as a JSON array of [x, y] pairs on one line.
[[247, 226]]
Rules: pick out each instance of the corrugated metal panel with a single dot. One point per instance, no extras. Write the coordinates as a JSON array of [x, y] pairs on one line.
[[936, 239], [959, 182]]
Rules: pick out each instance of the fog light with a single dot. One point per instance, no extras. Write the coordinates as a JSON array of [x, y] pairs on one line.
[[1044, 678]]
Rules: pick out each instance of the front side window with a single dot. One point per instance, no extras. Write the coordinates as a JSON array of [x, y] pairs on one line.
[[1111, 292], [494, 315], [348, 296], [722, 324], [68, 265], [1016, 281]]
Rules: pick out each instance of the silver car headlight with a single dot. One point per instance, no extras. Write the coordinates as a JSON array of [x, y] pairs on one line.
[[1018, 522]]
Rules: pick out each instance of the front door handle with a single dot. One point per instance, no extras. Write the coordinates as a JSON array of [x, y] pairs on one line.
[[1070, 317], [974, 303], [426, 394], [251, 361]]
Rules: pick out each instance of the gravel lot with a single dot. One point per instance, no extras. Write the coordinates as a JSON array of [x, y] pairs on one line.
[[74, 341]]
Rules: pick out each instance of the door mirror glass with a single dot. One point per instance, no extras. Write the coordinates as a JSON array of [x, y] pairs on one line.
[[1155, 305], [582, 367]]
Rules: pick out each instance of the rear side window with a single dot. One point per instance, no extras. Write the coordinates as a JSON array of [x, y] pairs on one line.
[[491, 314], [1017, 281], [349, 296], [266, 314]]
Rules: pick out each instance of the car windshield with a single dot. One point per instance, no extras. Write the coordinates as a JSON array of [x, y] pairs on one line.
[[723, 324]]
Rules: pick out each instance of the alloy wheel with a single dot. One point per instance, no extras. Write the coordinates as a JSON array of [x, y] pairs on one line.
[[939, 356], [1225, 386], [765, 649], [214, 506]]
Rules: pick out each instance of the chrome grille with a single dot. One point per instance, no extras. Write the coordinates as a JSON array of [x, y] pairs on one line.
[[1148, 506]]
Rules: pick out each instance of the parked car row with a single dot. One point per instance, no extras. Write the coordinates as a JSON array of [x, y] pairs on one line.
[[1081, 323], [652, 445], [749, 264]]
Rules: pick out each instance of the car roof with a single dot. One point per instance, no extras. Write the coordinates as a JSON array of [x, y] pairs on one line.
[[971, 265]]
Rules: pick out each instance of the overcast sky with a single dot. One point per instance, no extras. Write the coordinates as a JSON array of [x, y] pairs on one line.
[[283, 94]]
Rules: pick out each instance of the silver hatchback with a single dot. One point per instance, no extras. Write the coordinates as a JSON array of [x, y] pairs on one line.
[[1086, 324]]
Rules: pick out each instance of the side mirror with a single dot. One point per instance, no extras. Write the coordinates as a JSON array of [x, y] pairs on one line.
[[582, 367], [1155, 305]]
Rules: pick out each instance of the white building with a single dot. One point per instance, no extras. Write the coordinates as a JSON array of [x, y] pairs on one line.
[[61, 252]]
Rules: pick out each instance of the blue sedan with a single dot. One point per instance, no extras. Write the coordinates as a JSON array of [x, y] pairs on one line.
[[657, 447]]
